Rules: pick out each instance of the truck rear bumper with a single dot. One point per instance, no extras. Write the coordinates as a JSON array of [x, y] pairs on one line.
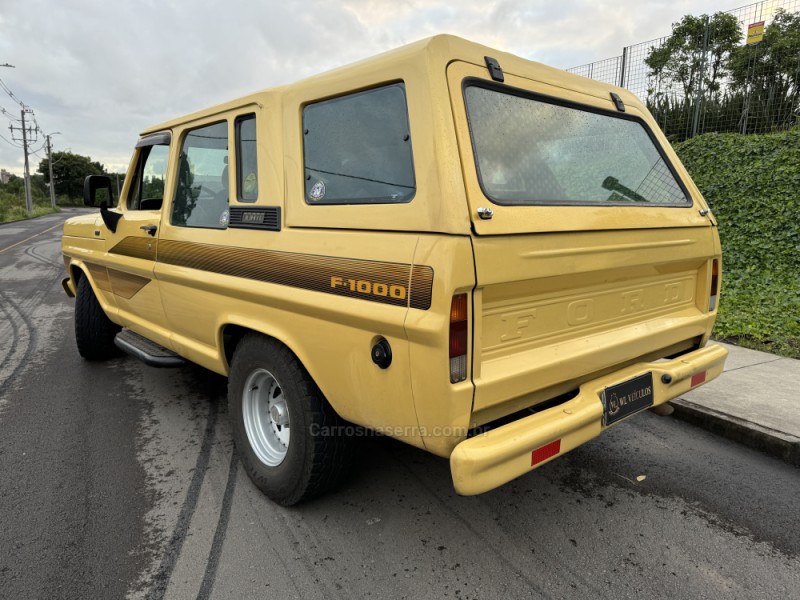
[[486, 461]]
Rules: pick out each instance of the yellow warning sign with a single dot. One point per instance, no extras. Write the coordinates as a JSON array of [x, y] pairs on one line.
[[755, 33]]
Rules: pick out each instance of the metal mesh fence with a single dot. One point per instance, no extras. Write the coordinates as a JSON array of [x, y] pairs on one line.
[[715, 73], [607, 70]]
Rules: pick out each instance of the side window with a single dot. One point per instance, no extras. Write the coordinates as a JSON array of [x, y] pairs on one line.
[[357, 149], [201, 195], [246, 159], [147, 189]]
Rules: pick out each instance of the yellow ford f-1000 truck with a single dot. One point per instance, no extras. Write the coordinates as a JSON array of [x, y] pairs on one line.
[[482, 256]]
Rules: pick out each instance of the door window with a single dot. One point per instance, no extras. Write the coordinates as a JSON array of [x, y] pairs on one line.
[[147, 190]]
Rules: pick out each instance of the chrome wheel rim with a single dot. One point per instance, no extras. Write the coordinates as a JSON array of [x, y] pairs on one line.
[[266, 417]]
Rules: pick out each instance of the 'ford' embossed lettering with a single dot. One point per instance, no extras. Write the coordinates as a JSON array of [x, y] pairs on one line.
[[515, 323]]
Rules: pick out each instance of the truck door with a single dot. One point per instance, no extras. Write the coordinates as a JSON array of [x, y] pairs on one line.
[[133, 247]]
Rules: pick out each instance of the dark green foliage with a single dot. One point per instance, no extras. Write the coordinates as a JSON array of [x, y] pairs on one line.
[[767, 74], [752, 183], [12, 198], [682, 60], [69, 171], [740, 88]]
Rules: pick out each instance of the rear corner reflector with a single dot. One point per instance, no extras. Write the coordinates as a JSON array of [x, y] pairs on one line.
[[698, 379], [545, 452]]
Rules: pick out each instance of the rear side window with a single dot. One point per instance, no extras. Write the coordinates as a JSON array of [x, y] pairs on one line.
[[531, 151], [201, 195], [357, 149]]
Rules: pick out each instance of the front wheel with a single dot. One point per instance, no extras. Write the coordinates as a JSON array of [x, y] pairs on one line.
[[94, 331], [292, 444]]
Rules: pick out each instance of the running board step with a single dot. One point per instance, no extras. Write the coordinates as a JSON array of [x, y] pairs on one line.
[[146, 351]]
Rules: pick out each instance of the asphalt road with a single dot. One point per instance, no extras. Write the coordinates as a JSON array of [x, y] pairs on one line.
[[119, 480]]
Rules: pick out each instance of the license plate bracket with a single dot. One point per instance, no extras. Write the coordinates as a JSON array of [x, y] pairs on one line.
[[624, 399]]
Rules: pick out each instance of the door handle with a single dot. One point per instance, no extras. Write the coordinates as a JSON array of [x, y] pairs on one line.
[[151, 229]]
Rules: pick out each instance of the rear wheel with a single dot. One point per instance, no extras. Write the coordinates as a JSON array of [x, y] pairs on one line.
[[94, 331], [292, 443]]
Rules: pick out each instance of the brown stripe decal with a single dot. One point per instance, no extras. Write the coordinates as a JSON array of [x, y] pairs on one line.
[[126, 285], [100, 276], [421, 286], [397, 284], [119, 283], [137, 247]]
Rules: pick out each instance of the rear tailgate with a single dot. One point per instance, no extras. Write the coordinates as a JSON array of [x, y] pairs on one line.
[[594, 276], [554, 310]]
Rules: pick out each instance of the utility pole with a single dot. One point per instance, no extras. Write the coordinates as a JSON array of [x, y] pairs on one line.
[[50, 167], [28, 133], [28, 199]]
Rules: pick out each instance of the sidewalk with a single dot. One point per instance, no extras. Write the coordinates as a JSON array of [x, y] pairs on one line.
[[755, 402]]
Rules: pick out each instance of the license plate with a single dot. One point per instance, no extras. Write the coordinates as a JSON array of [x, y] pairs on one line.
[[624, 399]]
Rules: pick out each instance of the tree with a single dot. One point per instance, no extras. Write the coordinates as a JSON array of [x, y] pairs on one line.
[[69, 171], [767, 74], [681, 61]]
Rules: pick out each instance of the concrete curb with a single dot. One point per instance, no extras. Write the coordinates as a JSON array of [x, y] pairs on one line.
[[775, 443]]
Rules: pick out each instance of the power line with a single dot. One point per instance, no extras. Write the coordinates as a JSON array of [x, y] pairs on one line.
[[10, 142], [8, 115], [11, 94]]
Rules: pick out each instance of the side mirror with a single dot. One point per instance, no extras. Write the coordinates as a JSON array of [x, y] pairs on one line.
[[91, 185]]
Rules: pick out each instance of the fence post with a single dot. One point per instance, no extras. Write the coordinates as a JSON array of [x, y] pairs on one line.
[[622, 67], [699, 92]]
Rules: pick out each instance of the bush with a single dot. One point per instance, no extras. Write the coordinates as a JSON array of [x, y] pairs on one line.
[[12, 199], [751, 183], [12, 206]]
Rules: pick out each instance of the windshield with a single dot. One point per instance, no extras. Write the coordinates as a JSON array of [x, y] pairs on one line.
[[529, 151]]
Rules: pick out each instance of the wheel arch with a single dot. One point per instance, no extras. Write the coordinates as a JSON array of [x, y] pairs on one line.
[[232, 332], [77, 270]]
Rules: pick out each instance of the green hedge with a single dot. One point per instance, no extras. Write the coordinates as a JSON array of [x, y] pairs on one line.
[[752, 183]]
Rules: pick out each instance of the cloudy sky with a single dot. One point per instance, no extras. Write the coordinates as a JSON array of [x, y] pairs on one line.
[[101, 71]]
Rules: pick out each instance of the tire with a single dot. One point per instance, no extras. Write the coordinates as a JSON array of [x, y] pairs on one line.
[[291, 442], [94, 331]]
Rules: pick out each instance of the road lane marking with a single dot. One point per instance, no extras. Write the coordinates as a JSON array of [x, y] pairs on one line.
[[30, 238]]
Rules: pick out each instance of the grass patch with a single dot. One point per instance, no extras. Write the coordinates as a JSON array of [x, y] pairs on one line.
[[18, 213], [752, 183]]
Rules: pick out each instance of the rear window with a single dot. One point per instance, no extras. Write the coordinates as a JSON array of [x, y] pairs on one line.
[[529, 150], [357, 149]]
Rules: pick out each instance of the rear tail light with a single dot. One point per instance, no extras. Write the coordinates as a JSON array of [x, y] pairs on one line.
[[713, 294], [458, 338]]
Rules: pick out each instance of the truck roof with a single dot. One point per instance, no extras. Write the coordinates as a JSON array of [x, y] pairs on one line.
[[434, 54]]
